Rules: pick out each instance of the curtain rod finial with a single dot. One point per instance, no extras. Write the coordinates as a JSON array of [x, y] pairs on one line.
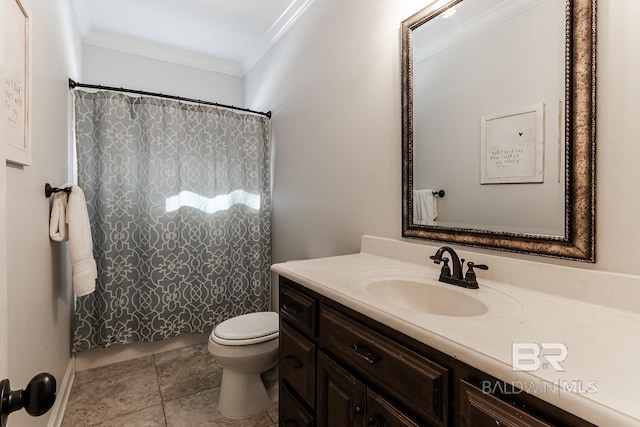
[[72, 84]]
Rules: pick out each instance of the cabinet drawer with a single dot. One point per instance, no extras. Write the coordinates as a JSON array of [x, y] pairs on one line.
[[417, 382], [298, 308], [291, 413], [382, 413], [298, 363], [480, 409]]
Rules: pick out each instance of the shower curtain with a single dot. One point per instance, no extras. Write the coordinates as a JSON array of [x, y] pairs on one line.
[[179, 201]]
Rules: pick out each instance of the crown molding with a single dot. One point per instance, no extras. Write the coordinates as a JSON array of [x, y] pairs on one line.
[[161, 52], [289, 17], [483, 21]]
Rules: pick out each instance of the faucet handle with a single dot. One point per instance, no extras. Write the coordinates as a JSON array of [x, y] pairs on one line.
[[445, 271], [470, 276], [478, 266]]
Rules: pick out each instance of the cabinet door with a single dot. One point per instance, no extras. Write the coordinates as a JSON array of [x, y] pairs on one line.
[[341, 397], [381, 413], [480, 409]]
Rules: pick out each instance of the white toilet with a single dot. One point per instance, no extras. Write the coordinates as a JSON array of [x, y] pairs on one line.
[[246, 346]]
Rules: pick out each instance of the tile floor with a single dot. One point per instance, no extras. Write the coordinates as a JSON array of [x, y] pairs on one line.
[[172, 389]]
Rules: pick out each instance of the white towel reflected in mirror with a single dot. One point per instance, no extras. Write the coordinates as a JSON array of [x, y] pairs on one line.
[[425, 207]]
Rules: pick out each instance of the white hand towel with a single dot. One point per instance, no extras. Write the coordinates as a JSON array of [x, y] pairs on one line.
[[83, 266], [58, 230], [425, 207]]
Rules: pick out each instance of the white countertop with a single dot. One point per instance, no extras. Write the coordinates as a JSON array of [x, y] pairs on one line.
[[603, 344]]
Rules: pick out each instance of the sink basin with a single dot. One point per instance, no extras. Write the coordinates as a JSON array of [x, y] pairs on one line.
[[420, 296]]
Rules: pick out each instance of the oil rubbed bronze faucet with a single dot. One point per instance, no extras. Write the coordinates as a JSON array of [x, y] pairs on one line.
[[468, 281]]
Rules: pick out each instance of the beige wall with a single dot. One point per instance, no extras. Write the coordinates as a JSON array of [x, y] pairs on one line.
[[618, 175], [109, 67], [39, 290], [333, 84]]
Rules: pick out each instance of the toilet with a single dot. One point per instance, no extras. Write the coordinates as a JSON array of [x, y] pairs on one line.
[[247, 347]]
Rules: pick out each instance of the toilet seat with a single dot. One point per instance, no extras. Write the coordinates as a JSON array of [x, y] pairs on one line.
[[252, 328]]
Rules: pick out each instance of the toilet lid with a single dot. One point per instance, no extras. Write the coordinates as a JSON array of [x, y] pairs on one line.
[[248, 326]]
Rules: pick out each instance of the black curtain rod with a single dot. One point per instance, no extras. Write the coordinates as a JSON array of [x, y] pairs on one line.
[[73, 84]]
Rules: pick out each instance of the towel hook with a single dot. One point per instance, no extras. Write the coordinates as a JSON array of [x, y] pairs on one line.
[[49, 190]]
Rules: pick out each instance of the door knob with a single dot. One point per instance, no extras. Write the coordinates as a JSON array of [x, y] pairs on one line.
[[37, 398]]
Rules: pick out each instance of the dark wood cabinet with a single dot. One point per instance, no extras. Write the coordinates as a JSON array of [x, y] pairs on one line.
[[480, 409], [297, 362], [335, 371], [298, 309], [292, 414], [341, 368], [343, 400], [417, 381], [341, 397], [382, 413]]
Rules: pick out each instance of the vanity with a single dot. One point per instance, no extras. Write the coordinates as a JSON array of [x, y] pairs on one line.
[[360, 345]]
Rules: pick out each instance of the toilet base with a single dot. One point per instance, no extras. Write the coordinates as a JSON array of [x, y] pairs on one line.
[[243, 395], [244, 361]]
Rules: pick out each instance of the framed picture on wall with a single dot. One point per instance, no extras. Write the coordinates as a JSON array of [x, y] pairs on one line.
[[17, 81], [512, 146]]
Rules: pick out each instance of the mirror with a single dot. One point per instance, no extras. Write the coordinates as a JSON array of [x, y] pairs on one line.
[[498, 112]]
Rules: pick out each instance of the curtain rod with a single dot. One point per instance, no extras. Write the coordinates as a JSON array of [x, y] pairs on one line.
[[73, 84]]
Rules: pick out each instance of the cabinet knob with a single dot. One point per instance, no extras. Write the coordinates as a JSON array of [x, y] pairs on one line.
[[357, 410]]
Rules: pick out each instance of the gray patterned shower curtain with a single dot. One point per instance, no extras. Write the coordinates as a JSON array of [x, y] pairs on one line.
[[179, 200]]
